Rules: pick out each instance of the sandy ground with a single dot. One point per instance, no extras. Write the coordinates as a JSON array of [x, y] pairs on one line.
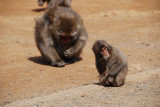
[[133, 26]]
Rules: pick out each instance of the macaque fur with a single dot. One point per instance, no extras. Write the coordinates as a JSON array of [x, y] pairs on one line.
[[111, 64], [65, 3], [60, 34]]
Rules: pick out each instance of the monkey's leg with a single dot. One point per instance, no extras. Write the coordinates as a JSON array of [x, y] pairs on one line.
[[45, 43], [103, 78], [116, 68], [50, 54], [121, 76]]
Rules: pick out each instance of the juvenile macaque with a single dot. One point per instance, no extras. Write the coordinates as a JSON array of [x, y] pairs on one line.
[[60, 35], [65, 3], [111, 64]]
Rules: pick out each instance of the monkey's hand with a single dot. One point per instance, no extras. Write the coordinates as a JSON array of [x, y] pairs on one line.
[[60, 63], [68, 53], [103, 78]]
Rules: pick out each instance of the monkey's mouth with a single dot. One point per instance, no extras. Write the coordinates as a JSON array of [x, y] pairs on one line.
[[65, 39]]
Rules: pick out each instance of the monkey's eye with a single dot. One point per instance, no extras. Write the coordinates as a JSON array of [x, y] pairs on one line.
[[103, 48]]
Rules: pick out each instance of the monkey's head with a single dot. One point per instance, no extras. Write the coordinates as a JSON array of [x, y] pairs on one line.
[[67, 28], [64, 23], [101, 49]]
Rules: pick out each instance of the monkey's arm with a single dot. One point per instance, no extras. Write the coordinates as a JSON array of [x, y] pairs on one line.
[[115, 69], [45, 44], [82, 40], [77, 47]]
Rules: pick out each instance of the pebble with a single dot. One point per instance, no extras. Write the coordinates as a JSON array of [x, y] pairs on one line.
[[17, 41], [150, 60], [103, 15], [148, 44], [137, 67], [139, 100], [9, 93], [37, 105], [106, 102]]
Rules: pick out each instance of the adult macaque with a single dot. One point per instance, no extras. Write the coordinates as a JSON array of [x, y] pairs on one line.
[[60, 35], [111, 64]]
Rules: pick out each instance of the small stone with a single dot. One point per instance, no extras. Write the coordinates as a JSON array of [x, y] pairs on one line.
[[137, 67], [148, 44], [83, 95], [9, 93], [139, 100], [103, 15], [106, 102]]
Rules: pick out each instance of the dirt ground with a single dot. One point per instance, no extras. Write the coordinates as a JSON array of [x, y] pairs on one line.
[[133, 26]]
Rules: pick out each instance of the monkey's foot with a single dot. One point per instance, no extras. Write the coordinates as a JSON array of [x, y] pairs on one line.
[[110, 80], [58, 64]]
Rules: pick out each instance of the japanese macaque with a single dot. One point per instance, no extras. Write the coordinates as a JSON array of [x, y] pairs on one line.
[[111, 64], [65, 3], [60, 35]]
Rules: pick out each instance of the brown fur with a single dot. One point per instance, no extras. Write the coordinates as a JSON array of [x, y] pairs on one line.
[[60, 35], [65, 3], [112, 69]]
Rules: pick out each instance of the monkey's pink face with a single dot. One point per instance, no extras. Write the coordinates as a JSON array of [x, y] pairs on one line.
[[67, 37], [104, 52], [67, 30], [101, 49]]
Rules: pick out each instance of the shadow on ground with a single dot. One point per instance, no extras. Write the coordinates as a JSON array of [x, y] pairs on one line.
[[39, 10], [39, 60], [42, 61]]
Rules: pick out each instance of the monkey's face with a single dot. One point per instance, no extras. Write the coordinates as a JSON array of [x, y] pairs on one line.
[[101, 49], [67, 30]]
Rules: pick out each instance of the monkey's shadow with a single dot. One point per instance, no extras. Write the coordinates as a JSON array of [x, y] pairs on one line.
[[39, 10], [39, 60], [104, 86], [42, 61]]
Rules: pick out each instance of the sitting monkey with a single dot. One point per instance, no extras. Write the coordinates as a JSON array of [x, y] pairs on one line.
[[60, 35], [111, 64]]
